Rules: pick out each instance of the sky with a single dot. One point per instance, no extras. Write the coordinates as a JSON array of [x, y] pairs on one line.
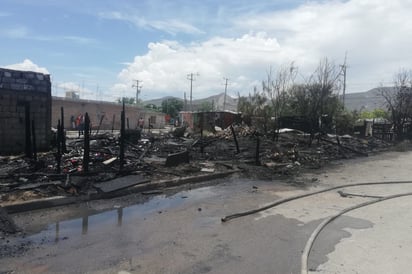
[[100, 47]]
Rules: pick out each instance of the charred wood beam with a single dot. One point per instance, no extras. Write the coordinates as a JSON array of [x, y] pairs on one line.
[[345, 147], [28, 148], [235, 138], [114, 117], [100, 124], [33, 134], [86, 150], [63, 137], [58, 143], [257, 160], [122, 139]]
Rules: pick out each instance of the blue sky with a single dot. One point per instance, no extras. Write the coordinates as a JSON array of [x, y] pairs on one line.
[[99, 47]]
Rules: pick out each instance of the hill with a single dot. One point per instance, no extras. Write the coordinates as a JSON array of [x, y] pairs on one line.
[[368, 100], [216, 100]]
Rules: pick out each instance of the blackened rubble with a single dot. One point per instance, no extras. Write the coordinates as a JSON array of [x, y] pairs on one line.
[[146, 155]]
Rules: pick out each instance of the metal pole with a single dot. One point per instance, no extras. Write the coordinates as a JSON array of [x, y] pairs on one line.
[[224, 100], [191, 88]]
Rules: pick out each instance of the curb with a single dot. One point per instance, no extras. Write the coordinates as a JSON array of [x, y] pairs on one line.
[[61, 200]]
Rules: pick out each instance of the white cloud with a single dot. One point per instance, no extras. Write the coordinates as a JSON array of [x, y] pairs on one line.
[[171, 26], [59, 89], [28, 65], [165, 67], [375, 34], [22, 32]]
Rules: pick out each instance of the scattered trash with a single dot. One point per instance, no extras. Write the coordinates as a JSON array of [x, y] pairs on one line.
[[109, 161], [210, 170]]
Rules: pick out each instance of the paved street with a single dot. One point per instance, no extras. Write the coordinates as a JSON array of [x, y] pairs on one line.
[[182, 232]]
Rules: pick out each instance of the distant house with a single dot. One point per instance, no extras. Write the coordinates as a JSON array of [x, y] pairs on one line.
[[378, 127], [25, 102], [103, 115]]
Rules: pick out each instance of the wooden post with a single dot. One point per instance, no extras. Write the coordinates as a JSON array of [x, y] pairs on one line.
[[100, 124], [201, 132], [257, 150], [122, 139], [28, 149], [86, 148], [33, 134], [234, 137], [63, 139], [58, 143], [114, 117]]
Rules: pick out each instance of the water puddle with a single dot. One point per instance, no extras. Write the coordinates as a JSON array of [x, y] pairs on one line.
[[118, 217]]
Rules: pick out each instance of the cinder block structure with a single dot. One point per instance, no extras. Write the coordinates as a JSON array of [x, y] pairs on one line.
[[25, 107], [106, 112]]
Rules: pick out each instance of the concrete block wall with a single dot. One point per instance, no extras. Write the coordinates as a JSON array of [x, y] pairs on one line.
[[96, 109], [18, 89]]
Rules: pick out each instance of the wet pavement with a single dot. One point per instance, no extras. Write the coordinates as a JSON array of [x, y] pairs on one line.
[[181, 231]]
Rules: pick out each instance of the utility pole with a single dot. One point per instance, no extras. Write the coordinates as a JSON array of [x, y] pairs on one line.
[[224, 100], [137, 90], [191, 78], [185, 105]]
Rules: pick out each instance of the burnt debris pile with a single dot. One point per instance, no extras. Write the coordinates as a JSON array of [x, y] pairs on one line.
[[86, 162]]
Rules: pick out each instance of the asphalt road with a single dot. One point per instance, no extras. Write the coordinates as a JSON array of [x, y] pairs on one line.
[[182, 232]]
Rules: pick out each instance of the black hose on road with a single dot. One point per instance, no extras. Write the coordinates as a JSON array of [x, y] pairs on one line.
[[285, 200], [321, 226]]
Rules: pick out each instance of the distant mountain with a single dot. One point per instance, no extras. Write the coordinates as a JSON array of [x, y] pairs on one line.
[[368, 100], [216, 100], [158, 102]]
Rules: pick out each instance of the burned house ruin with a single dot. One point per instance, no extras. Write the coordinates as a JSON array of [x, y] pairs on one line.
[[25, 111]]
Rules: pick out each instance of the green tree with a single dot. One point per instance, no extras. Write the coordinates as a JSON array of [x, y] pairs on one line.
[[255, 105], [172, 106], [151, 107], [376, 113], [380, 113], [126, 100], [317, 99], [399, 102], [277, 89], [345, 122]]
